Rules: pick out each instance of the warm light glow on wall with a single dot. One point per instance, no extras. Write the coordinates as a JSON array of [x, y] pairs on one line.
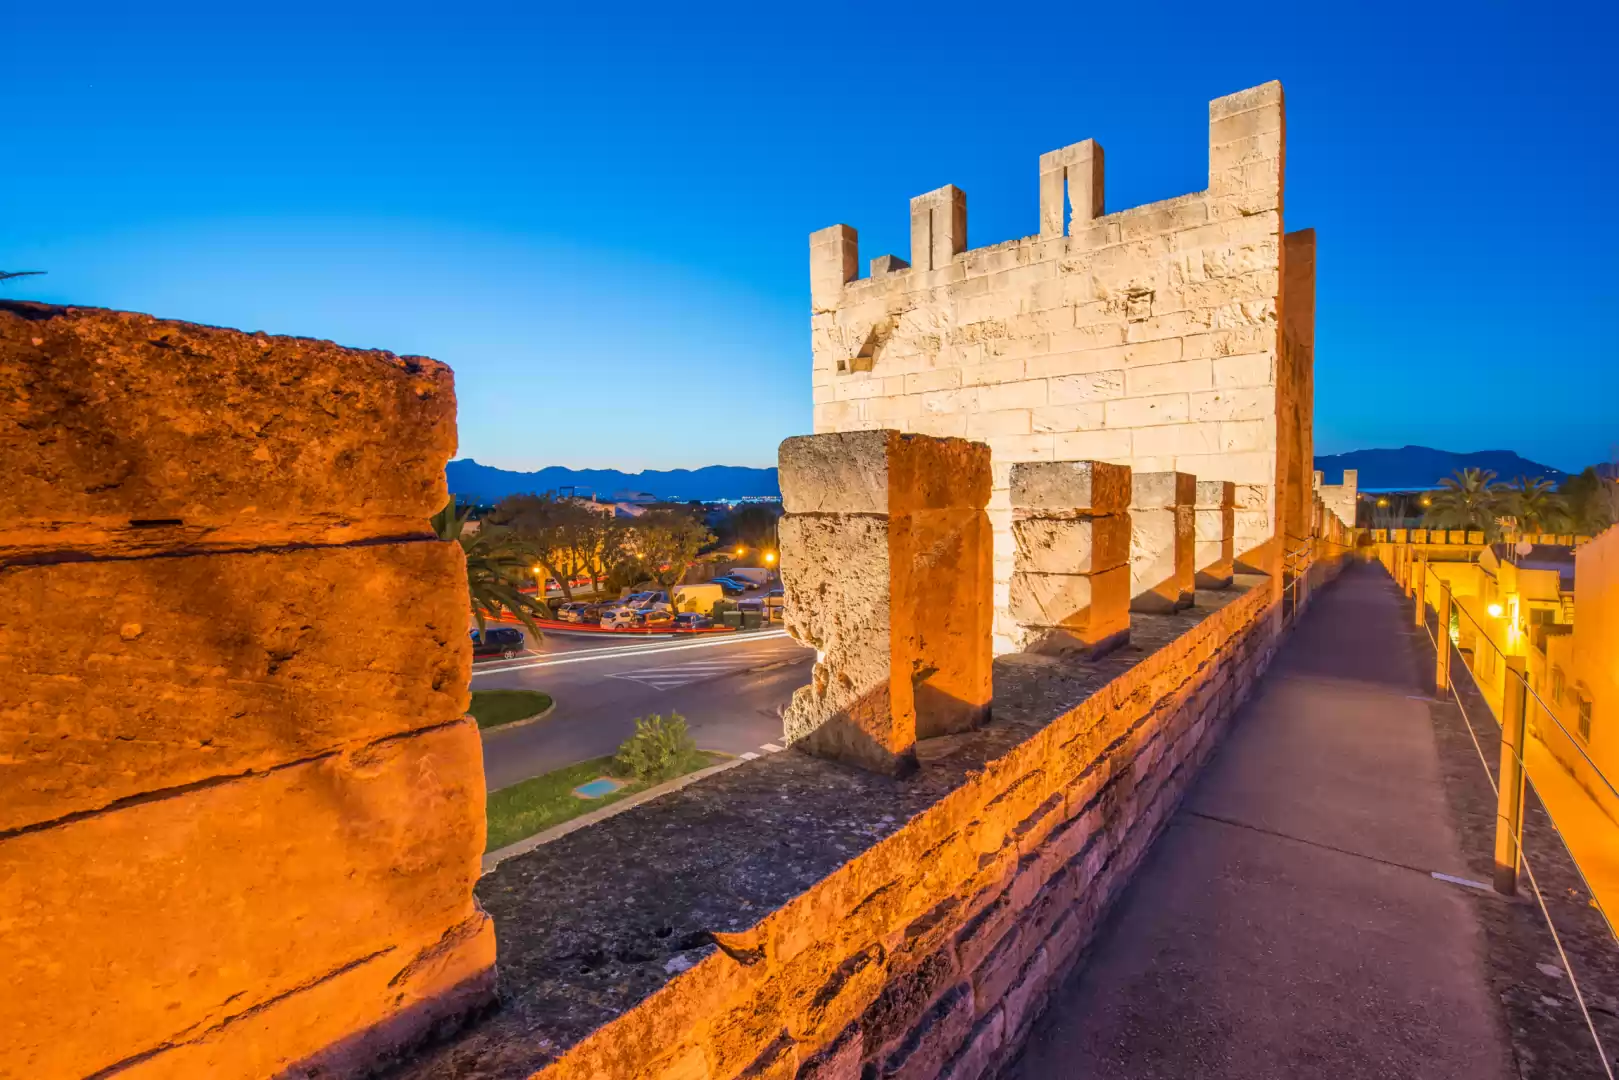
[[1495, 610]]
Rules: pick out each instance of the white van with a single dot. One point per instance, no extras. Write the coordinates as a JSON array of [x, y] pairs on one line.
[[756, 574], [698, 598]]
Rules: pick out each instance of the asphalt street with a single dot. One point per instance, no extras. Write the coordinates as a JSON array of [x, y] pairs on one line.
[[729, 689]]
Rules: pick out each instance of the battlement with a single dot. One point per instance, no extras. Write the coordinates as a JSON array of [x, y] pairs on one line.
[[1153, 337], [1245, 175]]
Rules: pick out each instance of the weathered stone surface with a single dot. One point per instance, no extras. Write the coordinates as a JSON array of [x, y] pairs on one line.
[[1098, 601], [893, 588], [1161, 490], [1082, 545], [1161, 559], [1159, 337], [1087, 487], [858, 890], [131, 676], [1216, 495], [130, 434], [881, 472], [313, 870], [836, 584]]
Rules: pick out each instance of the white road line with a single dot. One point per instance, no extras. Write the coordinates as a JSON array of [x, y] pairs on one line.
[[749, 756], [770, 748], [1479, 885], [630, 650]]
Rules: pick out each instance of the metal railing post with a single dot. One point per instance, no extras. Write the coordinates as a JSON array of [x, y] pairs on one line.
[[1421, 615], [1441, 677], [1509, 796]]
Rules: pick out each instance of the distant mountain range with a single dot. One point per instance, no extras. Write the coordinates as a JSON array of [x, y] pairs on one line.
[[1409, 467], [472, 482], [1412, 467]]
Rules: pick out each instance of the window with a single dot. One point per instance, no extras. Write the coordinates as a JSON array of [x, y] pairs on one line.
[[1557, 686], [1585, 718]]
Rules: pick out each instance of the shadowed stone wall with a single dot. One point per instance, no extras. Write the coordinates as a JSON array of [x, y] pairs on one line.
[[241, 809]]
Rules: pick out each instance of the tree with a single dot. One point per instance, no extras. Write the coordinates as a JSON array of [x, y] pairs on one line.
[[496, 563], [667, 543], [1592, 501], [1468, 500], [753, 526], [1535, 505], [569, 539]]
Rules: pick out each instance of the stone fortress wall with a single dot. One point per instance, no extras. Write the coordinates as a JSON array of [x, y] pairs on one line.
[[1175, 336], [241, 809], [1340, 498]]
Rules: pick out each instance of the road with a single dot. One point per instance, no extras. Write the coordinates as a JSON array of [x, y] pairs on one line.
[[728, 689]]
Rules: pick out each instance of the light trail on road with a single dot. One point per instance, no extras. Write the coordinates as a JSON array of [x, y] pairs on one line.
[[621, 651]]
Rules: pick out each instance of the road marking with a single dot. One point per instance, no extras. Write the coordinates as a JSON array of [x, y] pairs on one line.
[[630, 650], [770, 748], [1479, 885], [668, 678], [748, 756]]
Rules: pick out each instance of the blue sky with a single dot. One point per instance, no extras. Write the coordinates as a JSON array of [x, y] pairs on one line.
[[599, 216]]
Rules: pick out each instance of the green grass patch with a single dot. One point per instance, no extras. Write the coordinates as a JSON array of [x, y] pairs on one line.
[[536, 804], [492, 708]]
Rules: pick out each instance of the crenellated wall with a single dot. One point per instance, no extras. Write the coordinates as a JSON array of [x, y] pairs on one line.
[[241, 810], [1176, 336]]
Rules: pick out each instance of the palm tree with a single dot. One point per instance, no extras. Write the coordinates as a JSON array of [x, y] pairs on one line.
[[496, 561], [1468, 500], [1536, 506]]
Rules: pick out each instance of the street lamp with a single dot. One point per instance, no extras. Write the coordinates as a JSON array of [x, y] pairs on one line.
[[770, 558], [739, 550]]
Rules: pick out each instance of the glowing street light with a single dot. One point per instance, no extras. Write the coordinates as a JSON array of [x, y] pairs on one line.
[[770, 558], [740, 550], [1495, 610]]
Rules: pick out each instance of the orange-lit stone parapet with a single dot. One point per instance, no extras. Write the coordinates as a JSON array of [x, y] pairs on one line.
[[236, 835]]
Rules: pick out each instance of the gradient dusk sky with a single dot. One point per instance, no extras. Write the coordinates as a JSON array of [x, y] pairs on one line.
[[598, 215]]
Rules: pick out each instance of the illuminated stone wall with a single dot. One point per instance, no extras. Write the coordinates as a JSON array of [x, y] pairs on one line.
[[1176, 336], [241, 810]]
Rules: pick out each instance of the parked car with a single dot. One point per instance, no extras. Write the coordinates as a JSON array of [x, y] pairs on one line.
[[655, 618], [648, 601], [504, 641], [616, 618], [578, 611], [755, 577], [731, 586], [692, 620]]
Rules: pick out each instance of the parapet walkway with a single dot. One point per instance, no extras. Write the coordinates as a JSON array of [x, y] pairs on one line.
[[1288, 923]]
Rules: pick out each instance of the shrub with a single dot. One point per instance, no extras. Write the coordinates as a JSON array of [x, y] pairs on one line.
[[659, 750]]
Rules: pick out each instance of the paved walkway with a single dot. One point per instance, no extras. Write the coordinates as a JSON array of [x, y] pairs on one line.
[[1287, 923]]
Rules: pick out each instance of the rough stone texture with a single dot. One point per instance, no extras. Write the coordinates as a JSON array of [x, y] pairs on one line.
[[1340, 499], [1214, 553], [241, 812], [1162, 541], [134, 676], [1084, 487], [311, 868], [1162, 336], [885, 562], [804, 916], [1077, 545], [129, 434]]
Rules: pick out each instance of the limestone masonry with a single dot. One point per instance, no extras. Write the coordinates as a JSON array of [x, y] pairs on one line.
[[238, 839], [1171, 337]]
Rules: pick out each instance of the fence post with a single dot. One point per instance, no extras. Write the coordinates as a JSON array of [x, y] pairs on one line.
[[1441, 678], [1421, 615], [1509, 797]]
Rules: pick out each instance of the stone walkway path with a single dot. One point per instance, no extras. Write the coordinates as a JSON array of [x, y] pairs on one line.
[[1288, 922]]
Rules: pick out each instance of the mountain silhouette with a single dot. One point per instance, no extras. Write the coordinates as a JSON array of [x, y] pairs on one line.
[[1417, 467], [472, 482]]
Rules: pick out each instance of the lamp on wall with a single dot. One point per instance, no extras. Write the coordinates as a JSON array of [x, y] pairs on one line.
[[1495, 610]]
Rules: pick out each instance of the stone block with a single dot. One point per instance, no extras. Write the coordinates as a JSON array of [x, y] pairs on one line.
[[154, 923], [132, 434], [898, 601], [881, 472], [1070, 614], [1076, 545], [1068, 487], [1162, 572], [1161, 490], [135, 675]]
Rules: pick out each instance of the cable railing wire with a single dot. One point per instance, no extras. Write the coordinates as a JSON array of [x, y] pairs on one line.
[[1573, 740], [1523, 854]]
